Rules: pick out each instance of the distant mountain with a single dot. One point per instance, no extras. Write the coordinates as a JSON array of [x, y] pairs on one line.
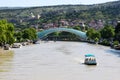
[[107, 12], [6, 8]]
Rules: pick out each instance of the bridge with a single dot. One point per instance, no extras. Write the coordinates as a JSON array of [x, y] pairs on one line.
[[80, 34]]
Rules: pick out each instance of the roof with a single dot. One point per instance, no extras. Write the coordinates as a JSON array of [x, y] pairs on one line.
[[89, 55]]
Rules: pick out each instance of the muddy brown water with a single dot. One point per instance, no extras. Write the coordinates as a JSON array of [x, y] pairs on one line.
[[60, 61]]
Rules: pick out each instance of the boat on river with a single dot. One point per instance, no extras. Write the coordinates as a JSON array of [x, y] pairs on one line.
[[90, 59]]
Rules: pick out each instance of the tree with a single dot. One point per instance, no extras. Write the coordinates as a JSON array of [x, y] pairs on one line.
[[93, 35], [33, 33], [89, 33], [77, 28], [29, 33], [10, 33], [99, 15], [107, 32], [117, 32], [6, 32], [18, 36]]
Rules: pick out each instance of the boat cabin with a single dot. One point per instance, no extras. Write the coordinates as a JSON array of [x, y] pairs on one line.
[[90, 59]]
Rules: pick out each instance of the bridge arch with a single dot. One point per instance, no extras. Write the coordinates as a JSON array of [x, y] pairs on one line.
[[49, 31]]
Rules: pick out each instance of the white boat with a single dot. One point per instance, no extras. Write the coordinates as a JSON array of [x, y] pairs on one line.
[[90, 59]]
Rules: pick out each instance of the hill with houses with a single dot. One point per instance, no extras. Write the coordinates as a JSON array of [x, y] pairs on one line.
[[96, 15]]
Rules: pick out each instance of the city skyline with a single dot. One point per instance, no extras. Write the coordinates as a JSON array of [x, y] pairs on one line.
[[33, 3]]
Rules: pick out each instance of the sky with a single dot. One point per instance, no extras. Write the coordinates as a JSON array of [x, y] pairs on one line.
[[33, 3]]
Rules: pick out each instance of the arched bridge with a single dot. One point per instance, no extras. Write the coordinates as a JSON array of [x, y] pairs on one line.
[[44, 33]]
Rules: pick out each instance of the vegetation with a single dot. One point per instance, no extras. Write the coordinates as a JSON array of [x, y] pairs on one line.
[[6, 33], [93, 35], [107, 33], [29, 33], [26, 34], [63, 36], [26, 20], [105, 42], [105, 36], [117, 32], [26, 17], [116, 43]]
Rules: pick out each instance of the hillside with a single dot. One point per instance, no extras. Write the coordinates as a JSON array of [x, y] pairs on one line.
[[62, 15]]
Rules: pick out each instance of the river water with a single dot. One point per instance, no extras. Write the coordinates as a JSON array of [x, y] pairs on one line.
[[60, 61]]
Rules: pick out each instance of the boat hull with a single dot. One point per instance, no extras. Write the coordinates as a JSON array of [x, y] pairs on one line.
[[90, 63]]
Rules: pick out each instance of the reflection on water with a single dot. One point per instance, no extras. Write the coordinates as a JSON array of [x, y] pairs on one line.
[[5, 61], [59, 61], [113, 51], [5, 64]]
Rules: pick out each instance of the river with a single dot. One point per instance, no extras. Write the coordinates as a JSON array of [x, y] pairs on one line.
[[60, 61]]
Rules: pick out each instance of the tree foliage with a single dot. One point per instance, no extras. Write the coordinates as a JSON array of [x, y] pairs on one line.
[[29, 33], [107, 32], [117, 32], [107, 11], [93, 34], [6, 32], [18, 36], [77, 27]]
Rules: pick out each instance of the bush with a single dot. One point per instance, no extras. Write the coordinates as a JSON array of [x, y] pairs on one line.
[[115, 42], [105, 42]]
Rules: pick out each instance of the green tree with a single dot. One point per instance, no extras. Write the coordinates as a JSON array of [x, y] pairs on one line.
[[29, 33], [77, 27], [6, 32], [18, 36], [93, 35], [89, 33], [117, 32], [33, 33], [99, 15], [10, 33], [107, 32]]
